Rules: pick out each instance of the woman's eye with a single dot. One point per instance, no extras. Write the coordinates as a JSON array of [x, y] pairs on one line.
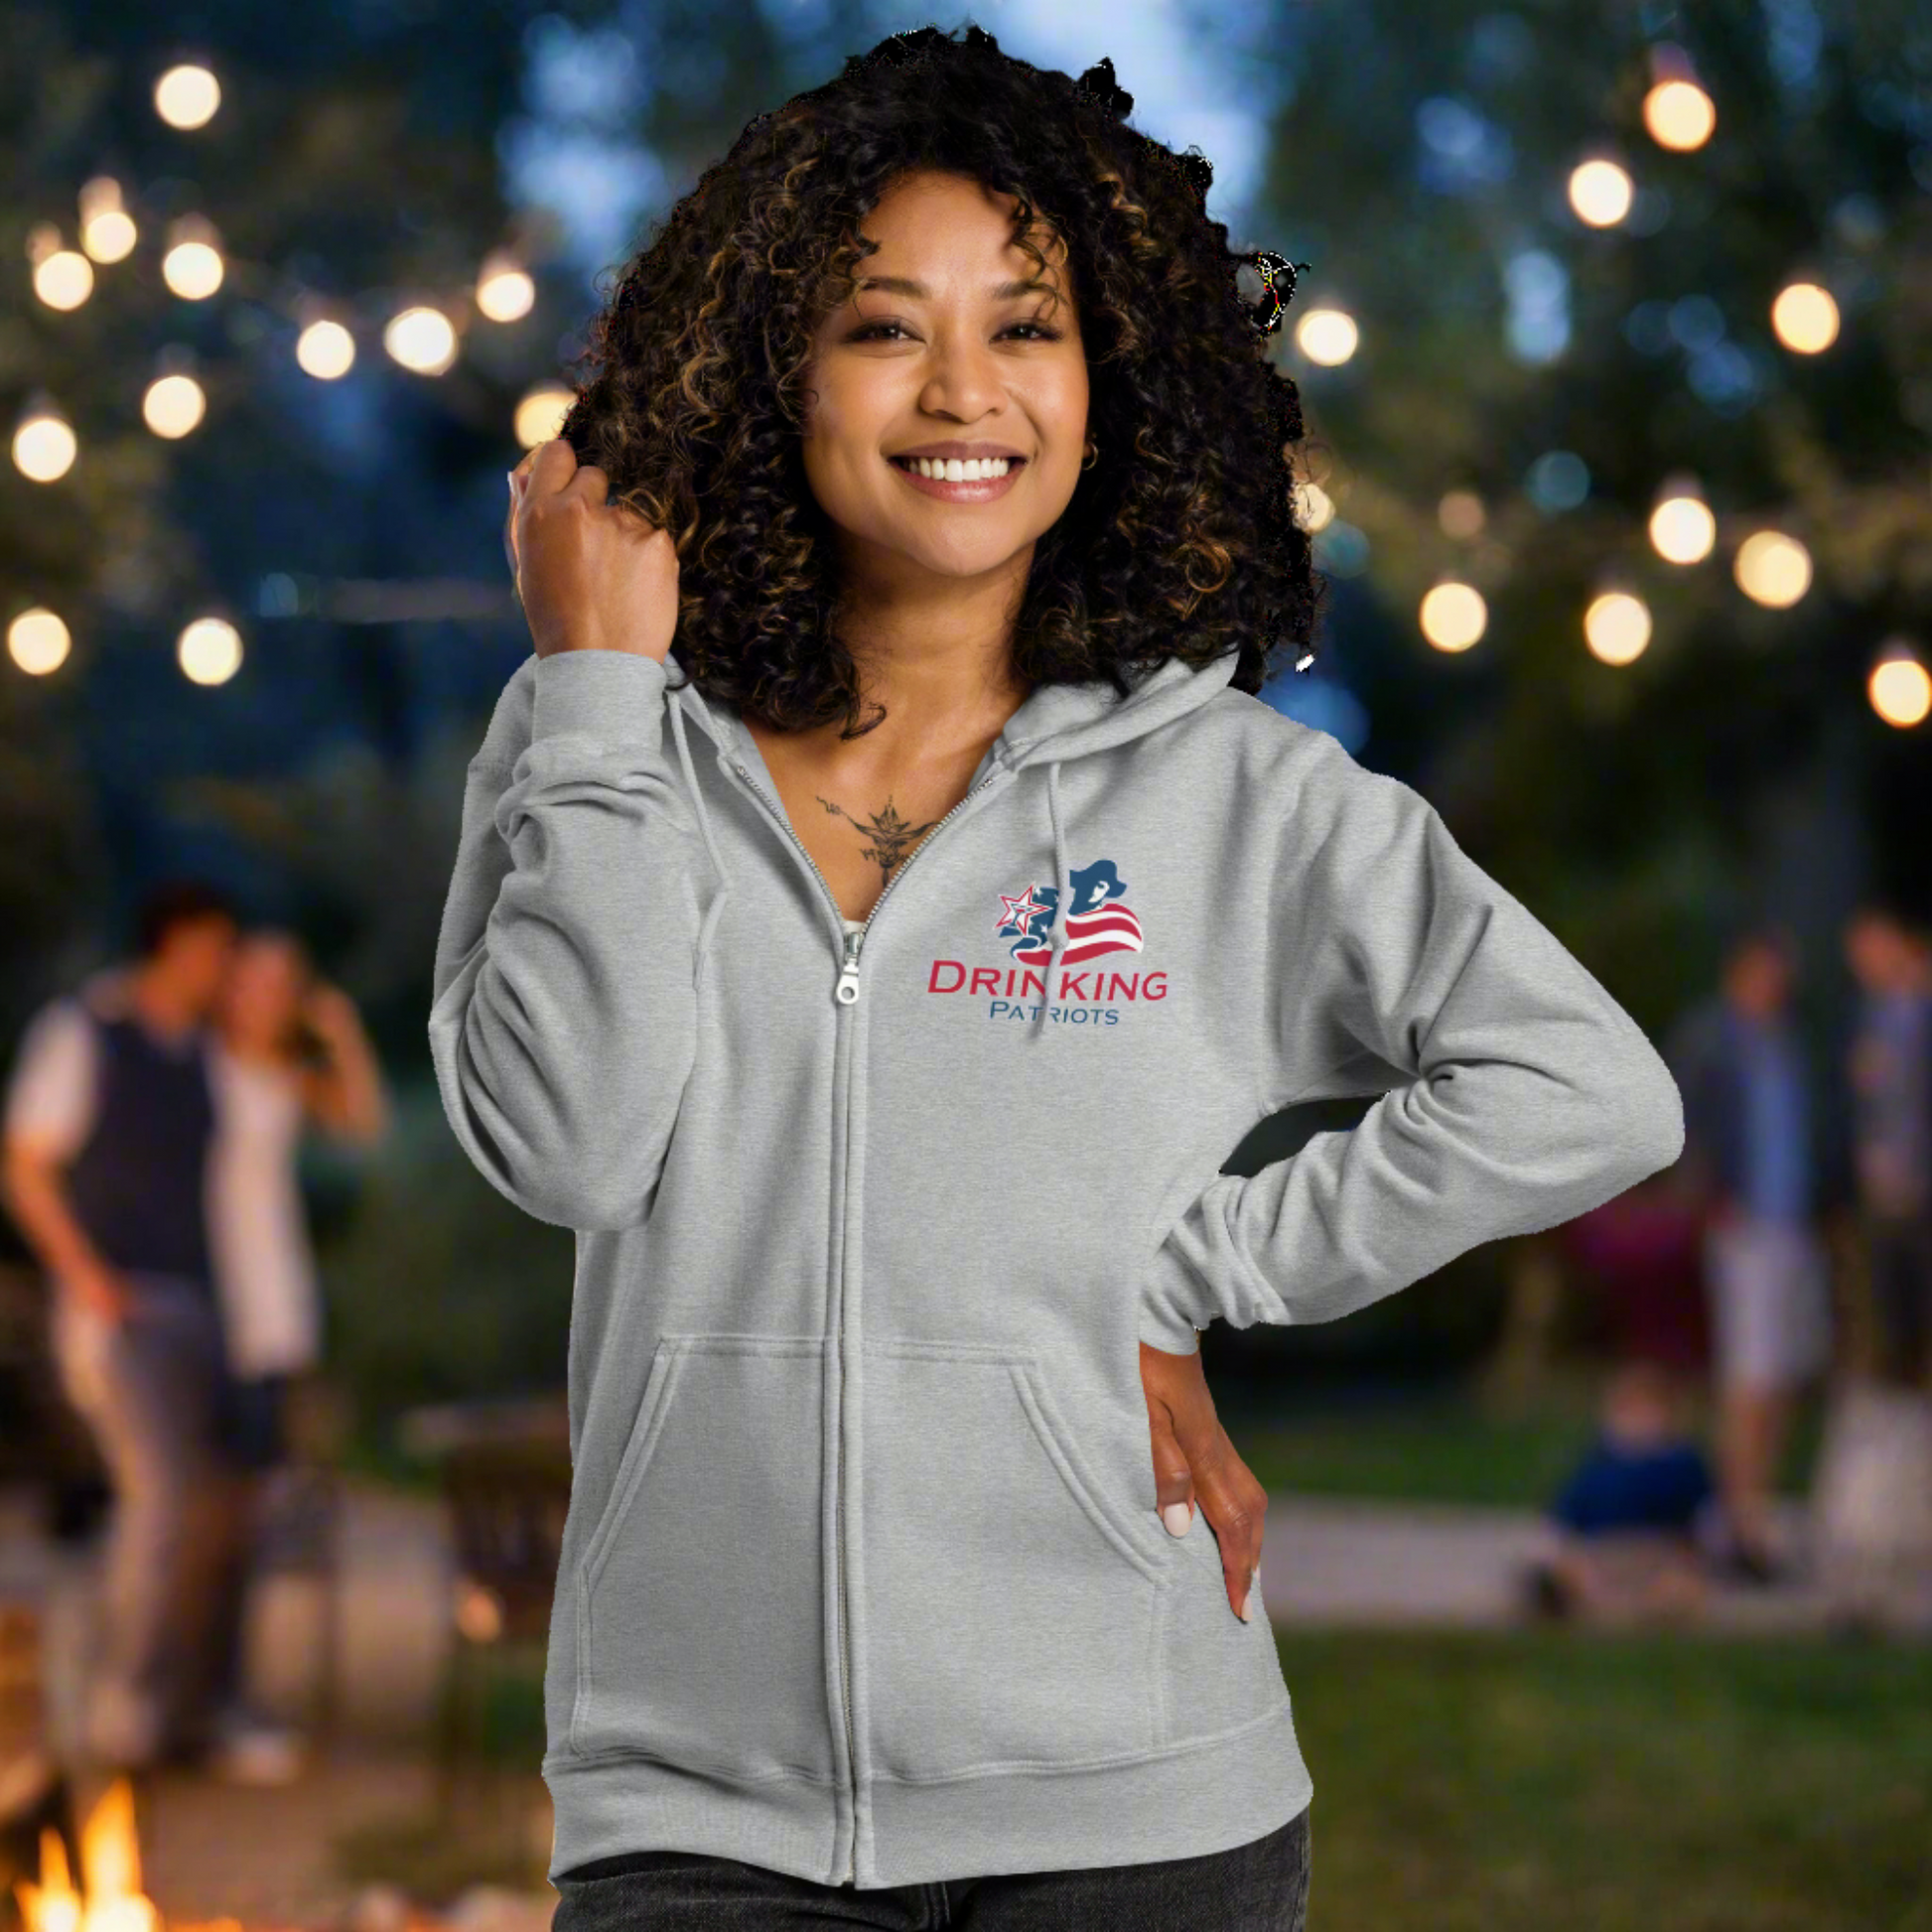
[[874, 331]]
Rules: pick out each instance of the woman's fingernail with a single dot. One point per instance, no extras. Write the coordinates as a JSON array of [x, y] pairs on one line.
[[1247, 1612], [1177, 1517]]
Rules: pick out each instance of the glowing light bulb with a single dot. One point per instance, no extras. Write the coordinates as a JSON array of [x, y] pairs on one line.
[[64, 279], [38, 642], [185, 96], [107, 231], [1601, 193], [45, 447], [193, 269], [422, 339], [1328, 337], [325, 349], [1679, 114], [540, 414], [1772, 568], [1899, 687], [1805, 318], [210, 650], [1682, 529], [1616, 627], [1454, 616], [504, 291], [174, 405]]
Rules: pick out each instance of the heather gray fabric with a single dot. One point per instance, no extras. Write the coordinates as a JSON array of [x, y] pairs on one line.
[[862, 1578]]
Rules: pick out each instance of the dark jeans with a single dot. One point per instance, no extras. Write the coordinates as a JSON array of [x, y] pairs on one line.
[[1262, 1886], [153, 1388], [1898, 1251]]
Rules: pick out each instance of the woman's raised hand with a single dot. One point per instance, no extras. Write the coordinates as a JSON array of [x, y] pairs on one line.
[[1195, 1463], [591, 575]]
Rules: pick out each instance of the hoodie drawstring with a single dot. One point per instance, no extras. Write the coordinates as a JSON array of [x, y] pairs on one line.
[[717, 905], [1063, 893]]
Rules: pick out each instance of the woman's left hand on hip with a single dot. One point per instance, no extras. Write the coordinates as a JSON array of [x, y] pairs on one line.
[[1196, 1463]]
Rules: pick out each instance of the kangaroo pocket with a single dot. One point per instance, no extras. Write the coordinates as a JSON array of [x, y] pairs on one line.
[[700, 1627], [1011, 1607]]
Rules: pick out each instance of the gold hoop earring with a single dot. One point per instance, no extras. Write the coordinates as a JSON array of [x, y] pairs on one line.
[[1093, 454]]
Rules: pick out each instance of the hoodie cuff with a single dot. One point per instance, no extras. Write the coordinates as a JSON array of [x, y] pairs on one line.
[[1170, 1304], [604, 694]]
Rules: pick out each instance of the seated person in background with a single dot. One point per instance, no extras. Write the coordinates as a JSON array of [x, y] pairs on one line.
[[1628, 1524]]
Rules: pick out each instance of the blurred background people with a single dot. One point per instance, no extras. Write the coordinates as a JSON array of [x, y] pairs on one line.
[[1890, 1080], [1628, 1521], [289, 1050], [1749, 1154], [110, 1120]]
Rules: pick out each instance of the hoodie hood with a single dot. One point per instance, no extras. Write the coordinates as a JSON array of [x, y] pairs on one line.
[[1054, 723]]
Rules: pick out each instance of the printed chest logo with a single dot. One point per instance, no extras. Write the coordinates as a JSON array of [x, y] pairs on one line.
[[1099, 922]]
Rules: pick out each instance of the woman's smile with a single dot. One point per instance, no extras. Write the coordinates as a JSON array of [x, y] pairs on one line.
[[949, 487]]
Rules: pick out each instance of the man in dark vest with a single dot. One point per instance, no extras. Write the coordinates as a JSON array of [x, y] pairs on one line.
[[110, 1114]]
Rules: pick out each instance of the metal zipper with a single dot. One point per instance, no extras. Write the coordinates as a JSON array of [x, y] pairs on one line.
[[848, 987], [846, 992]]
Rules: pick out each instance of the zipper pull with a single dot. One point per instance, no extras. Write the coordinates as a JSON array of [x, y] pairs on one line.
[[848, 987]]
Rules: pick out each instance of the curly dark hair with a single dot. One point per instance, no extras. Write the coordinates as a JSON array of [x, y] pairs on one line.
[[1181, 541]]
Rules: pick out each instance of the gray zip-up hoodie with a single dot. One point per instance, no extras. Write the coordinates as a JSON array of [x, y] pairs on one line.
[[863, 1579]]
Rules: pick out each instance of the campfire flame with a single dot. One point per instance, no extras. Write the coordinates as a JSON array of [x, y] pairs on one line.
[[110, 1869]]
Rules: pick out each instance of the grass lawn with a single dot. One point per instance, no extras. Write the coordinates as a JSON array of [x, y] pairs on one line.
[[1529, 1781], [1440, 1447], [1542, 1782]]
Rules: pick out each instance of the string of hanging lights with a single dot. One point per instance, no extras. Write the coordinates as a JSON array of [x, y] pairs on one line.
[[422, 336], [1770, 564]]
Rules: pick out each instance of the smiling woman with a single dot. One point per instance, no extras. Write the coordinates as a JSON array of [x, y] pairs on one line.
[[948, 250], [885, 1070]]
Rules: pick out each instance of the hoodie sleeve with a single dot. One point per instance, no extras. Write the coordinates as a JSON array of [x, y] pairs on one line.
[[1527, 1095], [562, 1023]]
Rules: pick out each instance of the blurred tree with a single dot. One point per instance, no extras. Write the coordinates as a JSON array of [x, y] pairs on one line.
[[1559, 373], [351, 166]]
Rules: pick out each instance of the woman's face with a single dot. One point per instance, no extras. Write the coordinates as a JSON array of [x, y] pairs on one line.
[[894, 370], [264, 988]]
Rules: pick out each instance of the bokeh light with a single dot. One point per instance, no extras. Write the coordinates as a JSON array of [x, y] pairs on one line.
[[1600, 193], [185, 96], [1805, 318], [1772, 568], [45, 447], [173, 405], [1460, 514], [540, 413], [1682, 528], [38, 642], [107, 231], [1454, 616], [504, 291], [1899, 687], [1328, 337], [210, 650], [63, 278], [1616, 627], [422, 339], [325, 349], [1679, 114], [193, 265]]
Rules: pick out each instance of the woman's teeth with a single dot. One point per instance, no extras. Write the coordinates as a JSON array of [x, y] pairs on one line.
[[952, 470]]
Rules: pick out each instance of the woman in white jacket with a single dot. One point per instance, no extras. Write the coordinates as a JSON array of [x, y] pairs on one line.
[[288, 1054]]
